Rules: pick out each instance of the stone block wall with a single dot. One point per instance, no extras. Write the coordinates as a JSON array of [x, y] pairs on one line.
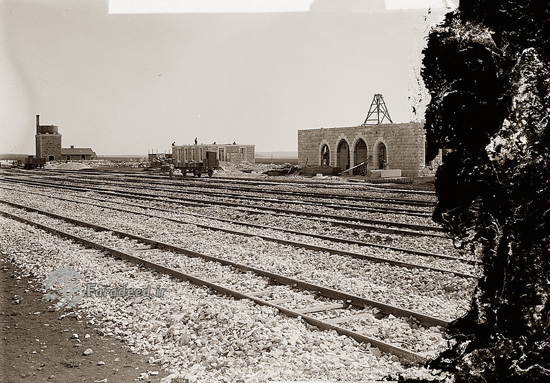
[[239, 153], [404, 143], [231, 153], [48, 145]]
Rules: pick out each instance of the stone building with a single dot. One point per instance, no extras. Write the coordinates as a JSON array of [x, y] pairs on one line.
[[72, 154], [48, 141], [387, 146], [48, 145], [233, 153]]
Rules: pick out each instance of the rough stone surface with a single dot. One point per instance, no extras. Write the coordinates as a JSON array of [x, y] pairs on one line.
[[405, 146]]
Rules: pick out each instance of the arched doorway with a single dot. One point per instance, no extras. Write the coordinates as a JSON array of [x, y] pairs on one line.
[[342, 155], [382, 156], [360, 155], [325, 155]]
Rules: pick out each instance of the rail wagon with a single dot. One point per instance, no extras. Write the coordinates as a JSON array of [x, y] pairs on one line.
[[32, 162], [207, 164]]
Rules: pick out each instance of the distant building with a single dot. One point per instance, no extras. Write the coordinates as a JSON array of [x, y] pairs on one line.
[[386, 146], [48, 145], [48, 141], [72, 154], [225, 152], [381, 150]]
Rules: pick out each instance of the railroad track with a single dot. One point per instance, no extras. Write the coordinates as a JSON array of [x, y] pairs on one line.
[[362, 198], [220, 183], [247, 181], [240, 196], [331, 250], [130, 203], [379, 280], [365, 224], [331, 312]]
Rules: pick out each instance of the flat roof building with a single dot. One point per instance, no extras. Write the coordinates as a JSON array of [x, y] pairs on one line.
[[385, 146], [233, 153]]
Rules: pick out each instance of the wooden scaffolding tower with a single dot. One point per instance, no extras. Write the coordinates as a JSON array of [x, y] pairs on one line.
[[377, 111]]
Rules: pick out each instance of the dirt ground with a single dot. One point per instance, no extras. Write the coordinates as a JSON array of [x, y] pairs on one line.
[[37, 344]]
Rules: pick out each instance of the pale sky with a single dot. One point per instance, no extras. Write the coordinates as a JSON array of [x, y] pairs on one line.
[[127, 82]]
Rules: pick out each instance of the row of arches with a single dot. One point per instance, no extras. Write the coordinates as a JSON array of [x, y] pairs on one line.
[[360, 154]]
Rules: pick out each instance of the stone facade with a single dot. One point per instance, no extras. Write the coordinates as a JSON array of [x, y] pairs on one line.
[[392, 146], [225, 152], [48, 146]]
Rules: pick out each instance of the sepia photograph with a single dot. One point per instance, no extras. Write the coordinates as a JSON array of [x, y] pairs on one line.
[[275, 191]]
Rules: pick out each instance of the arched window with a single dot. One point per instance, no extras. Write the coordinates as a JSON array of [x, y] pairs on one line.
[[342, 155], [360, 155], [382, 156], [51, 158], [325, 155]]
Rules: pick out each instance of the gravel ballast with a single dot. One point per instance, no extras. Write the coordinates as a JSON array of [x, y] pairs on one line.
[[197, 335], [434, 293]]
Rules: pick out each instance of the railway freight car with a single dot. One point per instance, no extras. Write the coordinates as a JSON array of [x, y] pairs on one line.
[[205, 162], [33, 162]]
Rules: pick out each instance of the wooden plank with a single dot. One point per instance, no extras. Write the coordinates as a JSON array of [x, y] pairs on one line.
[[259, 293], [279, 301], [348, 318], [320, 308]]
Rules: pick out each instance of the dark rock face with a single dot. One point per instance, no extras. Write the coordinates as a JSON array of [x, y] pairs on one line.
[[487, 68]]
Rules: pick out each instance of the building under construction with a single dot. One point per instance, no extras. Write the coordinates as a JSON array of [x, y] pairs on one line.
[[234, 153], [384, 149]]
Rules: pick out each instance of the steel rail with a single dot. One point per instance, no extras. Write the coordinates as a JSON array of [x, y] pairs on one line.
[[363, 198], [241, 180], [325, 291], [332, 205], [221, 180], [400, 352], [268, 238], [253, 225], [259, 210]]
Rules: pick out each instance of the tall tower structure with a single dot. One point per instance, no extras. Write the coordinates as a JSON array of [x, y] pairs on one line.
[[48, 141], [377, 111]]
